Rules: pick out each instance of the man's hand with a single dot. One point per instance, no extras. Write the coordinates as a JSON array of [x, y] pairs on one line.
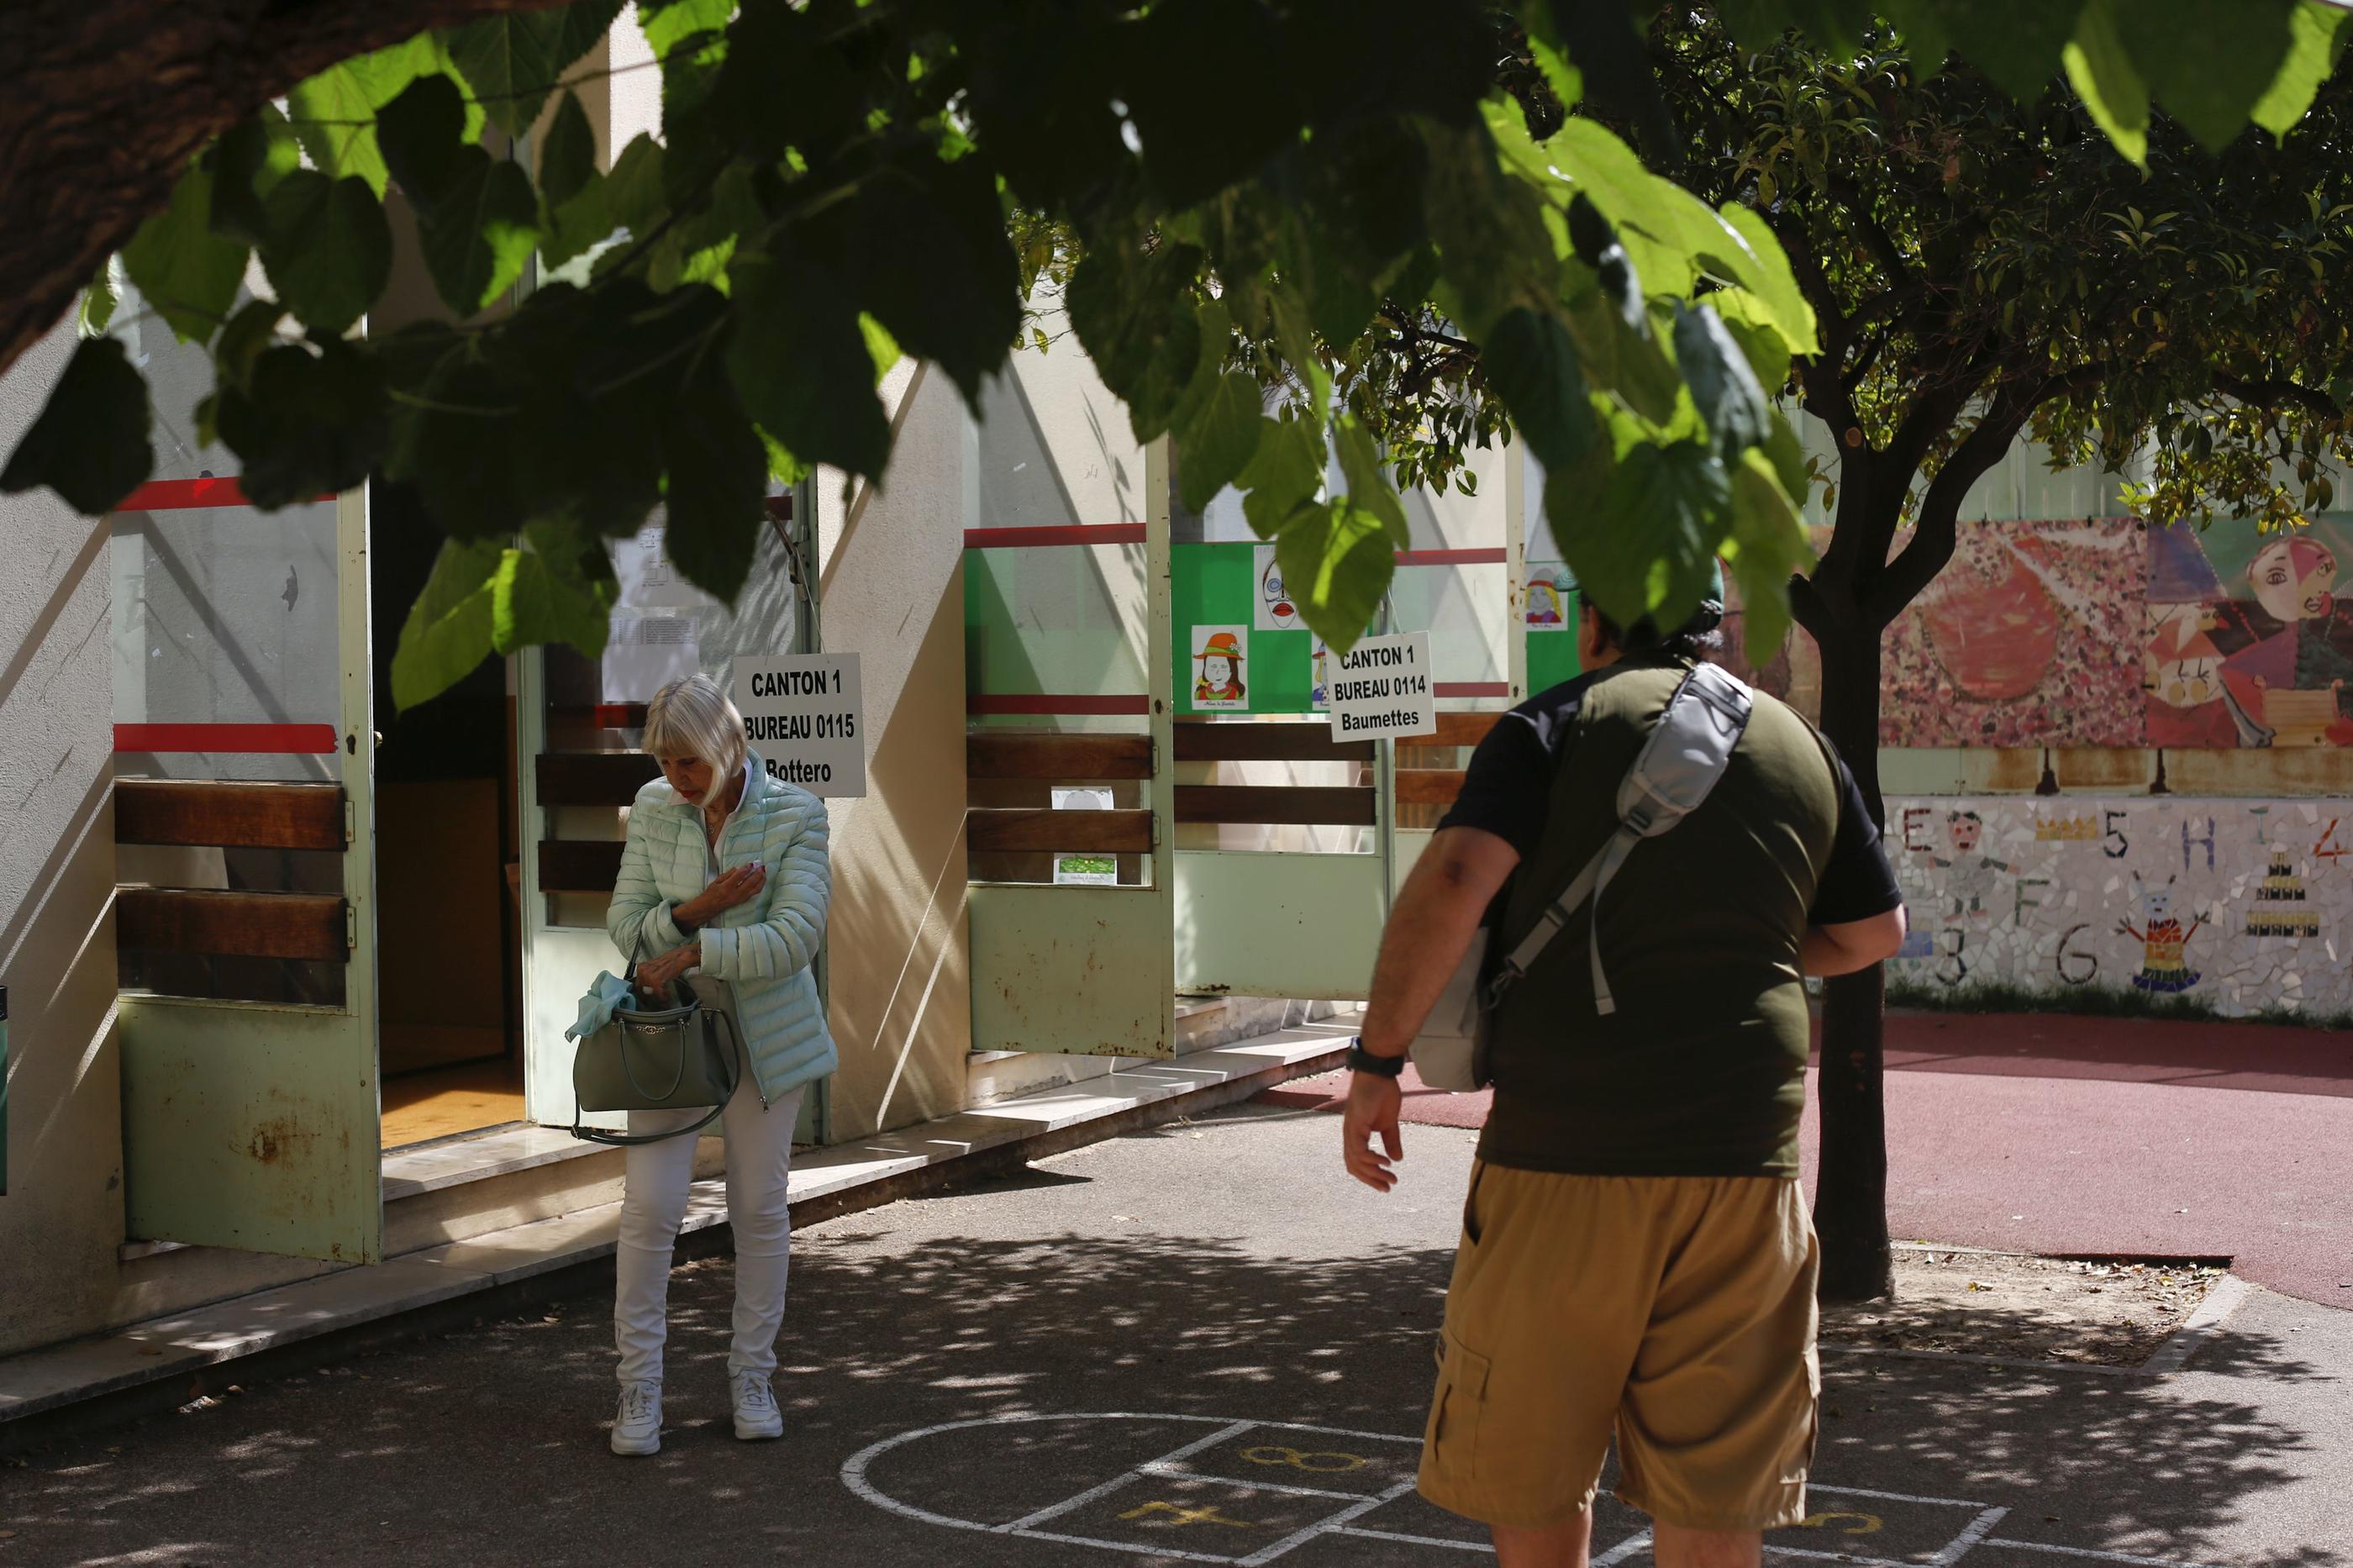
[[740, 886], [656, 973], [1373, 1102]]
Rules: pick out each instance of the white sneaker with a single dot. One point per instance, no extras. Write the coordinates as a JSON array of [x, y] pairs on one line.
[[636, 1426], [756, 1415]]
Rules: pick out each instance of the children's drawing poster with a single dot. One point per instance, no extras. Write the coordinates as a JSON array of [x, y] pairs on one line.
[[1226, 588], [1321, 662], [1219, 674], [1271, 609], [1547, 611]]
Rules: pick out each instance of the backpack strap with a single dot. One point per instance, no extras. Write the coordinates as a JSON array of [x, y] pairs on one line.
[[1687, 752]]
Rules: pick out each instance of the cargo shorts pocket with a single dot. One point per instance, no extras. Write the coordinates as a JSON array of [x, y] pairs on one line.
[[1450, 1448]]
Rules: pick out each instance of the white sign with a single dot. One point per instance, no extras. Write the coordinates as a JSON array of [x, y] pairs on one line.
[[1380, 688], [1085, 871], [803, 715], [657, 616]]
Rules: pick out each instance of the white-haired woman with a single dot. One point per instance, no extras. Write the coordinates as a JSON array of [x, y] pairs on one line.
[[725, 872]]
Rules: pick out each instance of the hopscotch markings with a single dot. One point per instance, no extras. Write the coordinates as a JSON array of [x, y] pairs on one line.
[[1638, 1541], [1056, 1510], [1308, 1533], [1971, 1533], [1171, 1466], [2095, 1554]]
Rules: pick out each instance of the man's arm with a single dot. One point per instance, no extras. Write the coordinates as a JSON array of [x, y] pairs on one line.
[[1431, 928], [1845, 946]]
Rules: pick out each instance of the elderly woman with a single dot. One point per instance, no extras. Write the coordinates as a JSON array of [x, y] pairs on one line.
[[725, 874]]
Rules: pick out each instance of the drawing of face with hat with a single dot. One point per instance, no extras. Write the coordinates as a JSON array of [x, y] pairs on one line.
[[1220, 678]]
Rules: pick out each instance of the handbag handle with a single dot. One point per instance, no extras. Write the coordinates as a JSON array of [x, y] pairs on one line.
[[631, 1073]]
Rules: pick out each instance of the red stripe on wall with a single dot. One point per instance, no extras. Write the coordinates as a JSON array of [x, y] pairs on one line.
[[1470, 689], [993, 704], [1450, 557], [301, 740], [1067, 533], [182, 495]]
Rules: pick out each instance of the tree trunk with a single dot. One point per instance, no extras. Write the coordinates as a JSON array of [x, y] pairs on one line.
[[108, 99], [1851, 1191]]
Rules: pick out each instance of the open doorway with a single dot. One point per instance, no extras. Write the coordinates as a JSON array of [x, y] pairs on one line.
[[448, 941]]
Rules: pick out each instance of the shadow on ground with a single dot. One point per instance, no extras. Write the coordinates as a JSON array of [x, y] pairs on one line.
[[487, 1448]]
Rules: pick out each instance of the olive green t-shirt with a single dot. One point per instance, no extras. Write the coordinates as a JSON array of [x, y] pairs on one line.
[[1701, 1070]]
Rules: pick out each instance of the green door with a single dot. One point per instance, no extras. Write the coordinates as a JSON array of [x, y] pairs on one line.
[[246, 923]]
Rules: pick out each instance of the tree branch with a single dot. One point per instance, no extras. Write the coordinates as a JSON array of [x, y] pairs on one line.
[[1938, 528], [2270, 394], [109, 100], [1823, 395]]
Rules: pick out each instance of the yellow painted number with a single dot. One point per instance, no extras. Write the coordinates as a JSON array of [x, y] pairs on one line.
[[1324, 1464], [1864, 1523], [1207, 1514]]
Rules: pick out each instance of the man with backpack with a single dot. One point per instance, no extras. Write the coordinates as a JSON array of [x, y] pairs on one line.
[[1635, 1254]]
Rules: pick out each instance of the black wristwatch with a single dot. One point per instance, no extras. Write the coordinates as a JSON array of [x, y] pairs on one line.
[[1363, 1061]]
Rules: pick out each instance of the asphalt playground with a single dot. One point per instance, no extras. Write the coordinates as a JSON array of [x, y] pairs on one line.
[[1195, 1343]]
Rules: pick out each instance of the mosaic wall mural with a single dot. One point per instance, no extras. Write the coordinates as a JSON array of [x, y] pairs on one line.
[[2029, 638], [2245, 903], [2247, 643]]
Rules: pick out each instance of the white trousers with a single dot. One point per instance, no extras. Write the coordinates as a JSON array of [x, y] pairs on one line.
[[759, 1160]]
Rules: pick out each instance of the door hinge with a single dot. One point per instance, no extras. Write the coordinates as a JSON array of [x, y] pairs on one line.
[[351, 823], [351, 925], [1156, 830], [1152, 758]]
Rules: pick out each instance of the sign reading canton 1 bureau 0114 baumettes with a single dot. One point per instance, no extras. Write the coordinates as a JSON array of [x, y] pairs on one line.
[[1380, 688], [801, 713]]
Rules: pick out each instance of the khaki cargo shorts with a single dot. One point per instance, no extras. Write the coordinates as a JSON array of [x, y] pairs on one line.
[[1677, 1309]]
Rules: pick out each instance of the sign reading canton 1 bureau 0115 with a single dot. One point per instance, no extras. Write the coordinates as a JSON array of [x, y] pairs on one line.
[[801, 713], [1380, 688]]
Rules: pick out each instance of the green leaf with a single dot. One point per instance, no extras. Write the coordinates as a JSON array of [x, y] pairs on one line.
[[2209, 65], [314, 421], [1786, 453], [880, 346], [1749, 323], [1138, 325], [1605, 314], [1294, 329], [668, 25], [1285, 470], [253, 329], [2014, 42], [1768, 547], [1567, 83], [1493, 247], [1532, 364], [536, 599], [97, 301], [962, 307], [1336, 560], [478, 235], [1731, 403], [1219, 442], [1646, 545], [329, 254], [801, 365], [2318, 39], [2110, 85], [1759, 267], [1368, 485], [633, 190], [248, 161], [1215, 329], [514, 60], [335, 113], [447, 633], [567, 156], [421, 134], [718, 482], [89, 444], [181, 266]]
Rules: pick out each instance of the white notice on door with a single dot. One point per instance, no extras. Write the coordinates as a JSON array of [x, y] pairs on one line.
[[802, 714], [1380, 688]]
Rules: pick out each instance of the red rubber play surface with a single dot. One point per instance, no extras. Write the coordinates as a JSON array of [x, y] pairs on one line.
[[2094, 1135]]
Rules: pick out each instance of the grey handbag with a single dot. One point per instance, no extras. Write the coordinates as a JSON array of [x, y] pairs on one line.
[[1679, 764], [660, 1059]]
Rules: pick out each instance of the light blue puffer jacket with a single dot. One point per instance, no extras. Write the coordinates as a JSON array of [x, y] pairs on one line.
[[762, 949]]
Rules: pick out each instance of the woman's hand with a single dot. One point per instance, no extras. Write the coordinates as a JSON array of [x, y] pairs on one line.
[[740, 886], [656, 973]]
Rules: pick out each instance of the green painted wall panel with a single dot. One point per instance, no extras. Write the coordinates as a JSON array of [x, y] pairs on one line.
[[252, 1126], [1258, 924]]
